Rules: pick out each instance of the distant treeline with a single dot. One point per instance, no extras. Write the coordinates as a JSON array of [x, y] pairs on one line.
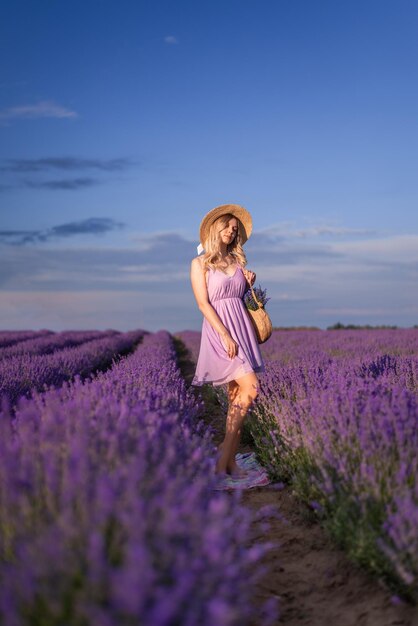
[[339, 326]]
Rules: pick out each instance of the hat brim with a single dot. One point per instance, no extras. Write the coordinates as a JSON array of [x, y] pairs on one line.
[[236, 210]]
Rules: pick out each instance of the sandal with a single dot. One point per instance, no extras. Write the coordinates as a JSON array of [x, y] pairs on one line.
[[226, 482]]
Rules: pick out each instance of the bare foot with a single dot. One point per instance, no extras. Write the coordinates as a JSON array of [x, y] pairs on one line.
[[236, 471], [232, 469]]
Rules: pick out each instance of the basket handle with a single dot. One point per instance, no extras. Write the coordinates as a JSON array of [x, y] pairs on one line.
[[260, 304]]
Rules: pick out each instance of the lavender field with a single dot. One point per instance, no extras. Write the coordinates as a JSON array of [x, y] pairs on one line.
[[107, 510], [337, 418]]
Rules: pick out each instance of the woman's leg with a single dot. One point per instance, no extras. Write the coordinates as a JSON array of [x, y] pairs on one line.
[[232, 394], [240, 398], [253, 385], [233, 389]]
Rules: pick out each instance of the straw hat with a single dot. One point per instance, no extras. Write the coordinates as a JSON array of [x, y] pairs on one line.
[[236, 210]]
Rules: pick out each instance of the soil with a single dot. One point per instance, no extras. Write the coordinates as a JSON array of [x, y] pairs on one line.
[[314, 580]]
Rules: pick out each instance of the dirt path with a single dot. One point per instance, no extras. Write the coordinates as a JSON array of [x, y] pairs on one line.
[[315, 582]]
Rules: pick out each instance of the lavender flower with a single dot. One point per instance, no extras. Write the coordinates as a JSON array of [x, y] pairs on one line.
[[261, 295]]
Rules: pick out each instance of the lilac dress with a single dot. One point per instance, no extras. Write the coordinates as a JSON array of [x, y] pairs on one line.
[[225, 294]]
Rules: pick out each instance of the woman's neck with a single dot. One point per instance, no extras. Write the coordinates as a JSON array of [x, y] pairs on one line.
[[226, 261], [223, 250]]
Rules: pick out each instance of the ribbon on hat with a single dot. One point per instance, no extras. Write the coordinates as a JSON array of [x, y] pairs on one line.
[[200, 248]]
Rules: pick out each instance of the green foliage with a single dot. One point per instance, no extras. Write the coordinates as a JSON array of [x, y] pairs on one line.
[[247, 436]]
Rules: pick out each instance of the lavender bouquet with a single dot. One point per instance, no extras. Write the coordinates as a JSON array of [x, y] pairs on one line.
[[260, 294]]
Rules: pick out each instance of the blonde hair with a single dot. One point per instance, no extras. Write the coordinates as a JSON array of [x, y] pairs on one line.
[[212, 255]]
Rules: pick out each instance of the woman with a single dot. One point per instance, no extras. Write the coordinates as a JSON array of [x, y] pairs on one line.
[[229, 352]]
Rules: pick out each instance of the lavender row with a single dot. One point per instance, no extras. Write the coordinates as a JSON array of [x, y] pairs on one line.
[[54, 342], [10, 337], [349, 345], [107, 513], [191, 339], [337, 417], [21, 375], [343, 429]]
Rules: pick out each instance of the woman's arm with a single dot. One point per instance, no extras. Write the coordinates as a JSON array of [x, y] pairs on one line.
[[200, 290]]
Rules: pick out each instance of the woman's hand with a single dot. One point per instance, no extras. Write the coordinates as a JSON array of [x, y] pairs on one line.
[[250, 276], [230, 345]]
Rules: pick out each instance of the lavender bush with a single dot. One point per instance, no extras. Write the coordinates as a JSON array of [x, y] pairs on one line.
[[191, 340], [10, 337], [107, 513], [21, 375], [52, 343]]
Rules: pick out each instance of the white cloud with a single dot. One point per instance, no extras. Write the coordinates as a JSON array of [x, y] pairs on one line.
[[151, 274], [45, 108], [71, 309], [170, 39], [362, 311], [399, 248], [289, 230], [148, 285], [331, 230], [95, 309]]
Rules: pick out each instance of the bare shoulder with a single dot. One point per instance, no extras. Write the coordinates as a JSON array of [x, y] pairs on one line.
[[197, 263]]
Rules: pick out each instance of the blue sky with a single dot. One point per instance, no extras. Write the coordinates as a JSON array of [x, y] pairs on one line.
[[123, 123]]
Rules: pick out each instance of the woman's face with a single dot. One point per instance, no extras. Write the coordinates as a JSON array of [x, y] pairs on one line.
[[229, 232]]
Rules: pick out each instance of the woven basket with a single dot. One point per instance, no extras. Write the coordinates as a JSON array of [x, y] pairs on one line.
[[261, 321]]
